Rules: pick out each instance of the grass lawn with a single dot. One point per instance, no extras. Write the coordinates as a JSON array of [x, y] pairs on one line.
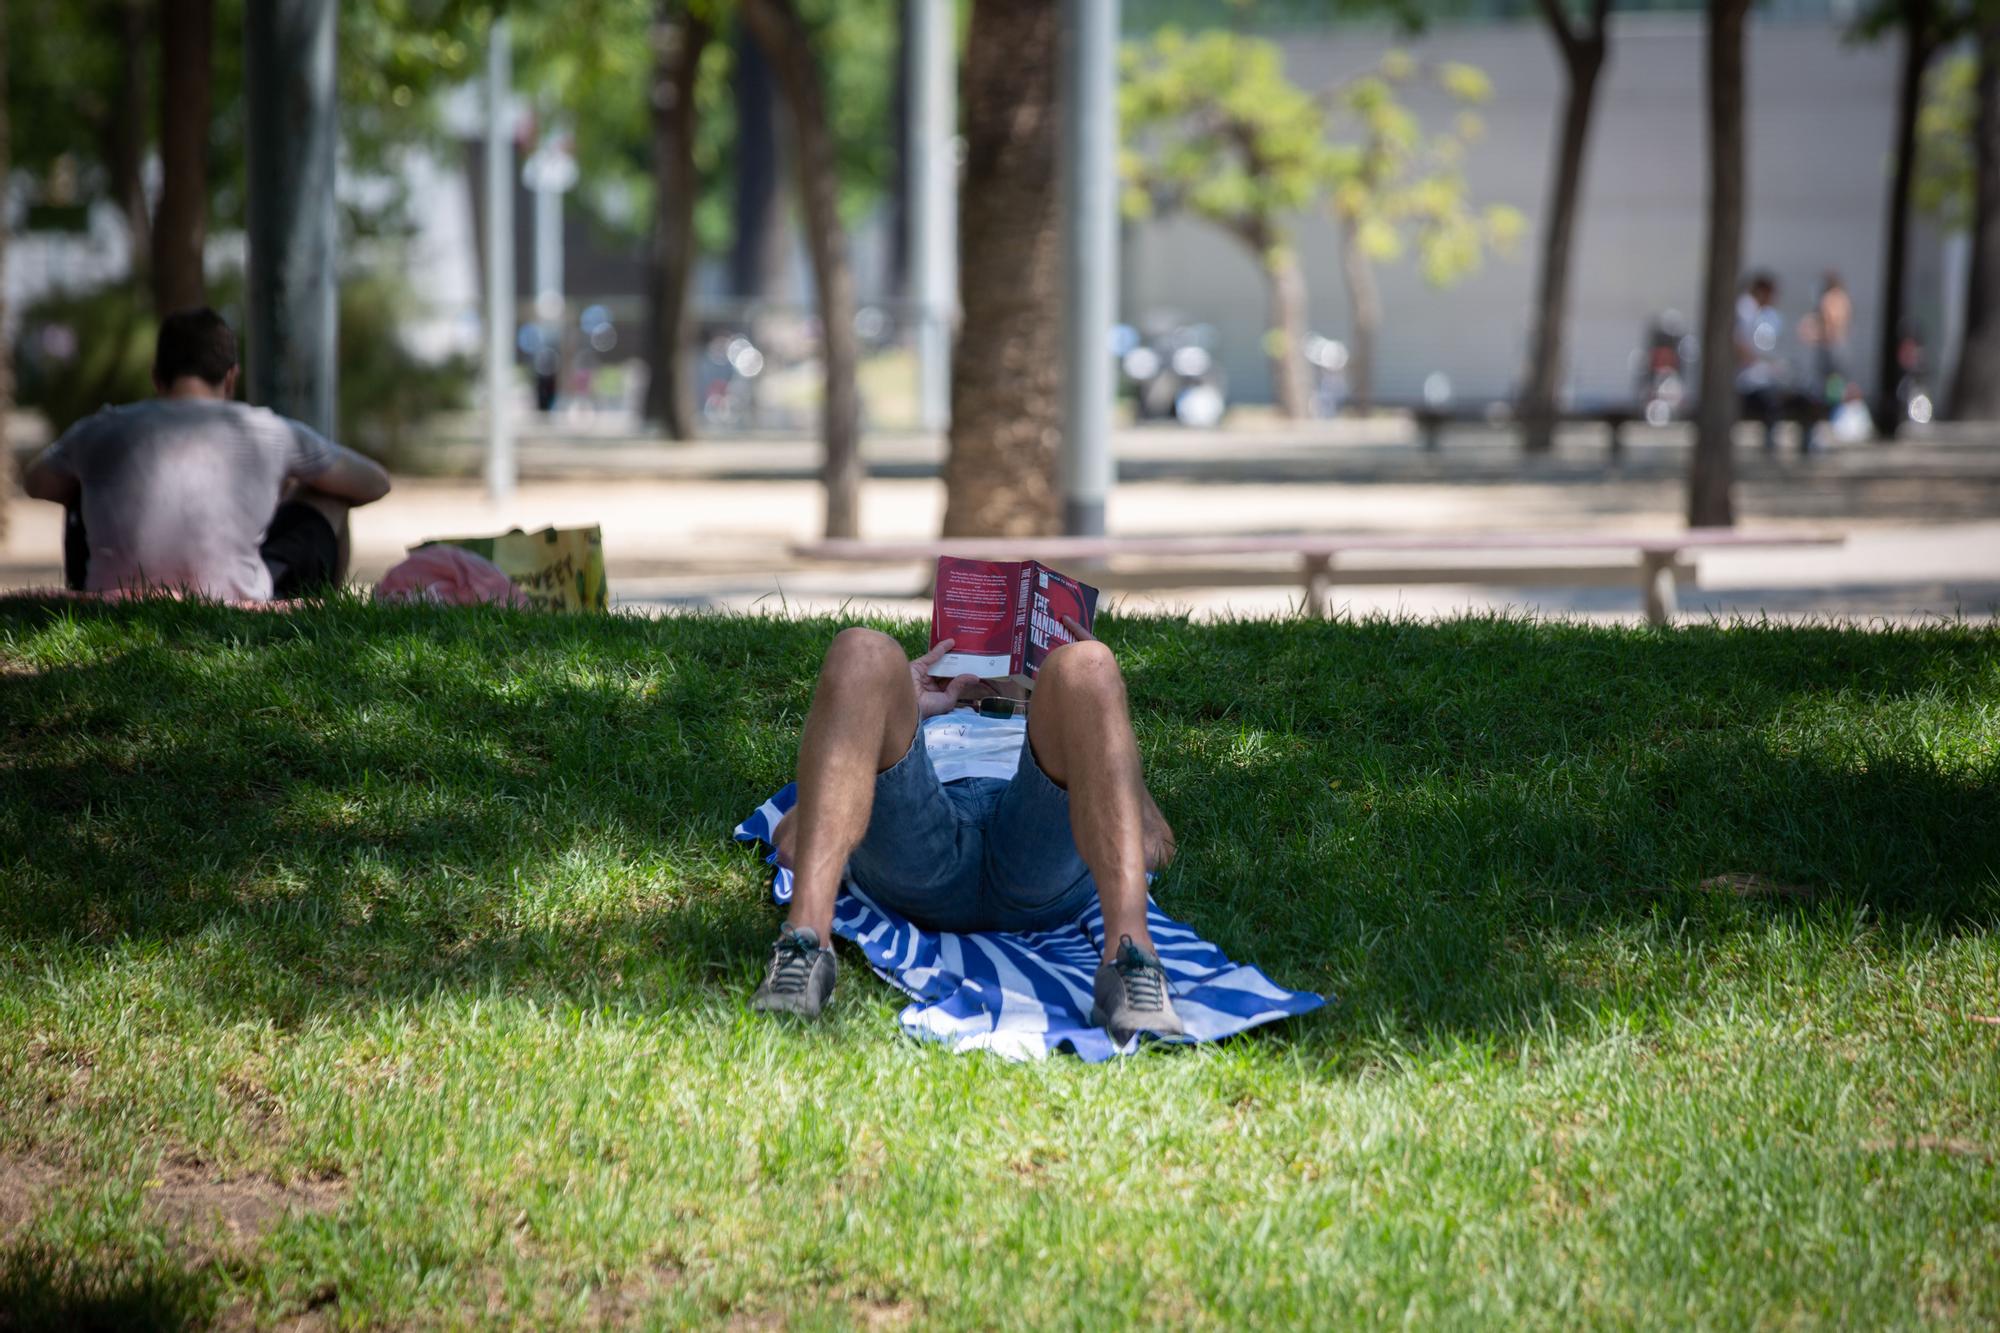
[[370, 967]]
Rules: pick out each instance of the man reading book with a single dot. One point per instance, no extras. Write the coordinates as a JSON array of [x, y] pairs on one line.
[[962, 821]]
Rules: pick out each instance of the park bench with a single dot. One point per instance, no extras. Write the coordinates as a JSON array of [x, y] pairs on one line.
[[1658, 564], [1432, 418]]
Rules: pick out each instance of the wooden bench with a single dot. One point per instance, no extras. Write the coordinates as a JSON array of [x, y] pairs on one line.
[[1657, 563], [1432, 419]]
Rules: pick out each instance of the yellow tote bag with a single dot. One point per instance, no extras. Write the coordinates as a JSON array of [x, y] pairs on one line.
[[560, 569]]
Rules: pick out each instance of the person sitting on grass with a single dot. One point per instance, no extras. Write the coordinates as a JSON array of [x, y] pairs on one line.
[[195, 491], [960, 821]]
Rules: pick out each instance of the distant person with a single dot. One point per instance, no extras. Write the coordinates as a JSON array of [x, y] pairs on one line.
[[194, 491], [1833, 321], [1761, 380]]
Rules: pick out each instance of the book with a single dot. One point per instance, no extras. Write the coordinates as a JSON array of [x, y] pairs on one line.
[[1004, 616]]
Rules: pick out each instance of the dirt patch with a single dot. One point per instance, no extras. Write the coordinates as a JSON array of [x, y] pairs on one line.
[[206, 1212], [1741, 885], [619, 1303], [25, 1183]]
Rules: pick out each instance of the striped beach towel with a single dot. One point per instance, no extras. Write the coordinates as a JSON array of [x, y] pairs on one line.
[[1027, 995]]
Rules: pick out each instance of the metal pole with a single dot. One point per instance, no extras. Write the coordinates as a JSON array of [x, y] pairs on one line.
[[934, 202], [501, 470], [288, 59], [1090, 256], [549, 255]]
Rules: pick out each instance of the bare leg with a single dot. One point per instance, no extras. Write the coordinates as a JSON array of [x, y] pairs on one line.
[[863, 718], [1081, 729]]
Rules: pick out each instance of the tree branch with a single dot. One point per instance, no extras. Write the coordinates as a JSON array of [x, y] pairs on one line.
[[1559, 24]]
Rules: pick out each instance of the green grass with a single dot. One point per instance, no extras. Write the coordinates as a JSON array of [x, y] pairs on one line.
[[414, 941]]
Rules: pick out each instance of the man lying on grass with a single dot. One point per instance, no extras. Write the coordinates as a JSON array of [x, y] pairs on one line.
[[961, 821]]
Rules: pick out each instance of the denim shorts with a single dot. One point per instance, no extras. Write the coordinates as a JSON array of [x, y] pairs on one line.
[[975, 854]]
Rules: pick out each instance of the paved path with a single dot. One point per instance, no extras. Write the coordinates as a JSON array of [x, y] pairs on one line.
[[707, 524]]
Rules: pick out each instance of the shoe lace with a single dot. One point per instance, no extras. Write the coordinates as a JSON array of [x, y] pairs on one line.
[[791, 964], [1145, 980]]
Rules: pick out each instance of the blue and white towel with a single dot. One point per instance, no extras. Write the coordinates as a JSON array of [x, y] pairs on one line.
[[1027, 995]]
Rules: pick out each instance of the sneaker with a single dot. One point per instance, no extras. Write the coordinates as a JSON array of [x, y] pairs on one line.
[[1131, 996], [800, 977]]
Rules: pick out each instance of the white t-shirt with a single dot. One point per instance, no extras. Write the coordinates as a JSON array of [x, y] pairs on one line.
[[1758, 327], [179, 493], [963, 744]]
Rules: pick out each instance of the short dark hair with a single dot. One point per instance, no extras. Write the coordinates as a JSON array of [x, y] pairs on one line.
[[194, 342]]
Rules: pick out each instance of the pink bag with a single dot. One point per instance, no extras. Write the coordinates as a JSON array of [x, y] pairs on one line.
[[451, 576]]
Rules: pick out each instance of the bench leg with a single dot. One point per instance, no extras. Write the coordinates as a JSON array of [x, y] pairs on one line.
[[1617, 440], [1656, 586], [1318, 575]]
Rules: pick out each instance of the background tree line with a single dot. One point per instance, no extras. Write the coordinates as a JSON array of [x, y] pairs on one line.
[[689, 111]]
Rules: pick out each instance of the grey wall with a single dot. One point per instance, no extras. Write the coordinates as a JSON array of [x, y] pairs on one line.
[[1821, 118]]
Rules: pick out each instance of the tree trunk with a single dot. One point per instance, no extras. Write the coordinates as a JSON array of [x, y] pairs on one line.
[[1366, 304], [1710, 472], [1975, 394], [678, 42], [1287, 339], [1583, 58], [756, 253], [180, 229], [778, 29], [125, 132], [1006, 370], [1919, 42]]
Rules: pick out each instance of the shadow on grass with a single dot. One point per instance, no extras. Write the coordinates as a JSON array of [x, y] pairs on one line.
[[104, 1290], [347, 805]]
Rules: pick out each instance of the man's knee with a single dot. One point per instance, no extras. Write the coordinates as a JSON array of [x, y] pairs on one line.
[[861, 654], [1085, 666]]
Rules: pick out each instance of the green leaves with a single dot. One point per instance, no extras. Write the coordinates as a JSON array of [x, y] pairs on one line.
[[1212, 125]]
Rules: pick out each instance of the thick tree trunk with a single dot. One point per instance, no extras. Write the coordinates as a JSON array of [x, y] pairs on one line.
[[180, 229], [1975, 394], [1919, 42], [678, 42], [1365, 302], [125, 132], [1006, 370], [1711, 503], [1287, 339], [756, 253], [778, 29], [1583, 58]]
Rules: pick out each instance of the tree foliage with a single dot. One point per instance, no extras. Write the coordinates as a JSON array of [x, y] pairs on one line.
[[1403, 188], [1945, 160], [1214, 127], [584, 63]]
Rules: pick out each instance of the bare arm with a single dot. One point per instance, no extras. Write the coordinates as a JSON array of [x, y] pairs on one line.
[[350, 477], [49, 478]]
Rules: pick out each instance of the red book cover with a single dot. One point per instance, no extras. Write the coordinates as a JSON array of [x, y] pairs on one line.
[[1003, 616], [1051, 596]]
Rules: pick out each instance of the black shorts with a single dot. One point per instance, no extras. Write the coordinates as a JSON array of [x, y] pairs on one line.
[[300, 550]]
